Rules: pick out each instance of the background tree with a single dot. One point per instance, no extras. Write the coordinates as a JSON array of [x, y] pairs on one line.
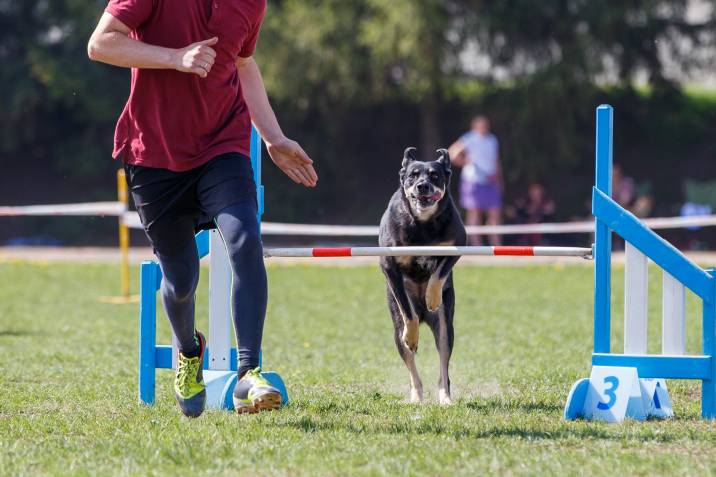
[[358, 80]]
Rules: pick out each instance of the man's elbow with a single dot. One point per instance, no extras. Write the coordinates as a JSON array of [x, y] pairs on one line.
[[94, 48], [92, 52], [243, 62]]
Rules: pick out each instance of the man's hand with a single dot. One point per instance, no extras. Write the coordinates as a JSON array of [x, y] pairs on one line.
[[285, 153], [197, 58], [293, 161]]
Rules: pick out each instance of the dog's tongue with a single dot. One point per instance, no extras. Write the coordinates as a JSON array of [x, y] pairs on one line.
[[435, 197]]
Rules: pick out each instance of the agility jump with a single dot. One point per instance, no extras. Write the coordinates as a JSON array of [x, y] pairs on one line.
[[504, 251], [615, 390], [622, 385]]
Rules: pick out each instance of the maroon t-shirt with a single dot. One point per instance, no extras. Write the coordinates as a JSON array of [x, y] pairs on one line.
[[179, 121]]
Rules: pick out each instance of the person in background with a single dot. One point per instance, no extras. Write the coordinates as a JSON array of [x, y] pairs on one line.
[[623, 189], [481, 182], [535, 208], [635, 198]]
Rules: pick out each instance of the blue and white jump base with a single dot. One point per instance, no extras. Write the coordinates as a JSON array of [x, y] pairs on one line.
[[220, 359], [632, 384]]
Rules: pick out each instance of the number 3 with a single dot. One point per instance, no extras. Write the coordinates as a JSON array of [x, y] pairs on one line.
[[614, 381]]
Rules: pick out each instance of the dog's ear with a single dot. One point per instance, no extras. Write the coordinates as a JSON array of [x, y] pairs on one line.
[[444, 160], [410, 155]]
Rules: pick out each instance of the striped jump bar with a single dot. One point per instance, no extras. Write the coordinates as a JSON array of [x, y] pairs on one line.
[[437, 251]]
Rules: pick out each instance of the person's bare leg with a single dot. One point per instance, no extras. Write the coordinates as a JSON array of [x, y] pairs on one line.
[[494, 217], [473, 217]]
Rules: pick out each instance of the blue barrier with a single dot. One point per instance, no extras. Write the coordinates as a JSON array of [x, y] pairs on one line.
[[220, 382], [611, 217]]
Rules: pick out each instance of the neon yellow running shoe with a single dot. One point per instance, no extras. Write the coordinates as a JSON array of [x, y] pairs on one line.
[[253, 394], [189, 388]]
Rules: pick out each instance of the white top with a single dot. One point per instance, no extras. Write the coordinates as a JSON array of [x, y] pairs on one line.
[[482, 155]]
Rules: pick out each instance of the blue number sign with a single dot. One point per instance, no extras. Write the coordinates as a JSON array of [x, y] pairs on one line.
[[610, 393]]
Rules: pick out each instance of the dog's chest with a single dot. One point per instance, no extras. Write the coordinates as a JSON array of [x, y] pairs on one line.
[[421, 263], [421, 266], [417, 268]]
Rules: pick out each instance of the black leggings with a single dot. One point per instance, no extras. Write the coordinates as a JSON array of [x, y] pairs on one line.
[[239, 229]]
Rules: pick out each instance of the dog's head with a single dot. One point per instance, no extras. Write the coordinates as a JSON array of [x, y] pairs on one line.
[[424, 184]]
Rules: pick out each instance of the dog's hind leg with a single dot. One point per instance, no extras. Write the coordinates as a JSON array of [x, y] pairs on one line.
[[416, 385], [444, 334]]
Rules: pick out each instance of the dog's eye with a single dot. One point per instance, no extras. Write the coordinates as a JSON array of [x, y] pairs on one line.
[[415, 174], [434, 175]]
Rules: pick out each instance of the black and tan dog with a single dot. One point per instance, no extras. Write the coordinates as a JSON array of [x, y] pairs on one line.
[[420, 289]]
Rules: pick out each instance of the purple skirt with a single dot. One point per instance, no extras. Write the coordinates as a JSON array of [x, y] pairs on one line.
[[480, 196]]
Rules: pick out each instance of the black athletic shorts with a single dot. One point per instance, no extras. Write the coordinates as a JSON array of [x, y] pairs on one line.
[[173, 206]]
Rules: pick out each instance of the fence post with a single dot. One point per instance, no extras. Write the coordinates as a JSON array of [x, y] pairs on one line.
[[603, 236], [123, 196], [636, 300], [708, 386], [673, 315], [148, 331]]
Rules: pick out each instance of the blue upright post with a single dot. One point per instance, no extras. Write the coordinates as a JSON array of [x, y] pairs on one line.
[[202, 243], [271, 376], [602, 258], [603, 236], [256, 165], [147, 331], [708, 386]]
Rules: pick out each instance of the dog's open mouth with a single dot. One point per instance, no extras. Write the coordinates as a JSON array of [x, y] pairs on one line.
[[427, 200]]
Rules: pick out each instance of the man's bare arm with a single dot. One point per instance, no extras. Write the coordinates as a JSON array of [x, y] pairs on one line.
[[285, 153], [110, 43], [456, 151]]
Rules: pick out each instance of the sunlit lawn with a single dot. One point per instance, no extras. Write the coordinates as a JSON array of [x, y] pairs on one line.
[[68, 374]]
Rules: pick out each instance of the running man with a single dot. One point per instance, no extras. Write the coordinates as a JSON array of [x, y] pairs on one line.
[[481, 182], [184, 137]]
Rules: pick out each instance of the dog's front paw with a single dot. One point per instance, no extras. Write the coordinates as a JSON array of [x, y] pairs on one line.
[[434, 294], [444, 397], [411, 335]]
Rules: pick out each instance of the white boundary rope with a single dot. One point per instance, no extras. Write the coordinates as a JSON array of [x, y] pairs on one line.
[[112, 209], [131, 219], [587, 226]]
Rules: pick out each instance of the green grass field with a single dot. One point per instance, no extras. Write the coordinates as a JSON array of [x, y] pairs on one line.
[[68, 374]]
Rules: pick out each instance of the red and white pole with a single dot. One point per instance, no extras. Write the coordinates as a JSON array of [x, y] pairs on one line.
[[435, 251]]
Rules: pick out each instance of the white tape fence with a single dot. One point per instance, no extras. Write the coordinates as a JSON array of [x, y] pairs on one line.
[[131, 220]]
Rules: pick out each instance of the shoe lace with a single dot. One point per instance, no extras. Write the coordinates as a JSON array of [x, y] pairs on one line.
[[188, 368], [256, 374]]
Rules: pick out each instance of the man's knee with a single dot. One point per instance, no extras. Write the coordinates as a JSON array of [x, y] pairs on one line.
[[246, 244], [180, 280], [181, 290]]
